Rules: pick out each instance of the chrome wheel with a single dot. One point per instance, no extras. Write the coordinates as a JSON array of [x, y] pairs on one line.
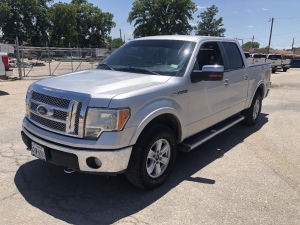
[[158, 158], [256, 109]]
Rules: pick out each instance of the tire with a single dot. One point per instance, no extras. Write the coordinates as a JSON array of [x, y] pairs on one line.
[[252, 114], [284, 69], [274, 70], [148, 166]]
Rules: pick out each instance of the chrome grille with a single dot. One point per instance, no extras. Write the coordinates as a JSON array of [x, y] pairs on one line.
[[48, 123], [60, 115], [59, 102]]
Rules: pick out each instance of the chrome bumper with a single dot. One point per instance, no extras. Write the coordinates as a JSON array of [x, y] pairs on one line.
[[112, 161]]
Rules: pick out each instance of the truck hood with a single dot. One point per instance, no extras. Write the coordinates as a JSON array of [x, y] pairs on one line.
[[101, 85]]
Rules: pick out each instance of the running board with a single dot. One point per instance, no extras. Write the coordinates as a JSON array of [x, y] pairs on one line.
[[198, 139]]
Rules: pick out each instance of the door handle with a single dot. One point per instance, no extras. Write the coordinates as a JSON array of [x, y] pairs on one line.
[[246, 77], [226, 82]]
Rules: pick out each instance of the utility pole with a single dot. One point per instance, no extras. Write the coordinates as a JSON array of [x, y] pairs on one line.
[[272, 20], [252, 41], [293, 46], [18, 58], [120, 34]]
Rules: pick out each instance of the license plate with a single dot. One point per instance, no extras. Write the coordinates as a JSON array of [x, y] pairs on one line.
[[38, 151]]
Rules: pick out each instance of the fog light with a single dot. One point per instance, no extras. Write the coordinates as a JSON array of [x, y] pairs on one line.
[[93, 162]]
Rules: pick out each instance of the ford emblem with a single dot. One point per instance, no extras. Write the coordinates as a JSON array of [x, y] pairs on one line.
[[44, 111]]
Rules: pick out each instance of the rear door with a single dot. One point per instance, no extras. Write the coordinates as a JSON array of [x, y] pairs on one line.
[[236, 75]]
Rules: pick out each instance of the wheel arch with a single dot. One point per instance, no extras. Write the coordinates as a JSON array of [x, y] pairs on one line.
[[166, 117]]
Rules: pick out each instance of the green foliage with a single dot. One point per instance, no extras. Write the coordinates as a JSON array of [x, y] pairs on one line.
[[25, 19], [161, 17], [117, 42], [209, 26], [63, 32], [36, 23], [249, 45]]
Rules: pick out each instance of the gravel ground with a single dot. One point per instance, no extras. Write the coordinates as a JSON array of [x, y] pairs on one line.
[[242, 176]]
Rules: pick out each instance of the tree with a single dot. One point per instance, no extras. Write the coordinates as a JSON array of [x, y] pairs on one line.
[[25, 19], [63, 31], [249, 45], [117, 42], [161, 17], [93, 25], [209, 26]]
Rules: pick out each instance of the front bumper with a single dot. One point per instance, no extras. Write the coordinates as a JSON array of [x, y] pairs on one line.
[[112, 161]]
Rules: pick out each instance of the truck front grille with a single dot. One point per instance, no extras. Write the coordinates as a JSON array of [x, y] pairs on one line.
[[56, 114]]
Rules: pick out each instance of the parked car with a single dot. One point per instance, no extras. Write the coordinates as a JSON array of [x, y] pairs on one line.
[[295, 63], [5, 70], [150, 98]]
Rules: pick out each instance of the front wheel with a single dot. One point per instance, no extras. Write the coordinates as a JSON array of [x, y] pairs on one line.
[[251, 114], [152, 157]]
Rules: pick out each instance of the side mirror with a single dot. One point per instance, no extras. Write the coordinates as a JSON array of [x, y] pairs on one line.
[[208, 73]]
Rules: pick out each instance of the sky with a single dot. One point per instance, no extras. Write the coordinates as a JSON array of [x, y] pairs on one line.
[[242, 19]]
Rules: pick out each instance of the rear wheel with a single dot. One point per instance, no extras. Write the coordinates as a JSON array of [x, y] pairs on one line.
[[284, 69], [251, 114], [152, 157]]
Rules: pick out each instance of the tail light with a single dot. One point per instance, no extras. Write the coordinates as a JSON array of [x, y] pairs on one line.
[[5, 61]]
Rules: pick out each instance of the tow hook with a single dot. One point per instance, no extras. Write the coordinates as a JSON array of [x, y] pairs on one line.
[[69, 170]]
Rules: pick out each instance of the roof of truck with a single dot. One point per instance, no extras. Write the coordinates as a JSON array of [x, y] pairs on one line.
[[182, 38]]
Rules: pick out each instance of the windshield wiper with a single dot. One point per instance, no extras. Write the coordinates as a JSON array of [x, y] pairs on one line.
[[136, 69], [105, 65]]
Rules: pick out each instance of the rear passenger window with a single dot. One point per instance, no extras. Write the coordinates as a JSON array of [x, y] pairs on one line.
[[235, 60]]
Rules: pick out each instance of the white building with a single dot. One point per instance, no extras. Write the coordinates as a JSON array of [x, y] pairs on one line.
[[7, 48]]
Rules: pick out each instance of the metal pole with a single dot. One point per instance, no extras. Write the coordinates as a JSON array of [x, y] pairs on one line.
[[293, 46], [71, 56], [18, 58], [48, 57], [272, 20]]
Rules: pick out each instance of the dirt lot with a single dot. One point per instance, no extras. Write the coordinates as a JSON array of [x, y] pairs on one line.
[[242, 176]]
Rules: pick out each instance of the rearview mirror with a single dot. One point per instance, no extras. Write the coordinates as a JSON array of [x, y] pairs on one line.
[[208, 73]]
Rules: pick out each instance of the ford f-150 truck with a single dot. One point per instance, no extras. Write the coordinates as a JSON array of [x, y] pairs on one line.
[[152, 97], [4, 66]]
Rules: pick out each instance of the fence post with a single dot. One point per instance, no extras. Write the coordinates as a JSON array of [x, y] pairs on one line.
[[18, 58], [48, 57], [71, 56]]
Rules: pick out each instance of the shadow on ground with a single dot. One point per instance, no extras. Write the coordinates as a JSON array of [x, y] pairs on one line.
[[90, 199], [3, 93]]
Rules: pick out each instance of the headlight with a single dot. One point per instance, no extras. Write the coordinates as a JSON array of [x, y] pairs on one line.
[[28, 97], [99, 120]]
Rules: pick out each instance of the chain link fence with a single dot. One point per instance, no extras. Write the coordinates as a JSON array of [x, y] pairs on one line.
[[51, 61]]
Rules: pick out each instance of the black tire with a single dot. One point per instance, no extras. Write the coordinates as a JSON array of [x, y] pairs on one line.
[[141, 157], [252, 114], [274, 70], [284, 69]]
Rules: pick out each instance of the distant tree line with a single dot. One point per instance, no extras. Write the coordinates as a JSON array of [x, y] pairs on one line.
[[80, 23]]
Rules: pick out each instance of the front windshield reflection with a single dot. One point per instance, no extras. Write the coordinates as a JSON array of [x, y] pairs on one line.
[[162, 57]]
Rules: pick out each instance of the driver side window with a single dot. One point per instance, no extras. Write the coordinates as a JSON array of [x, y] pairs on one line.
[[209, 54]]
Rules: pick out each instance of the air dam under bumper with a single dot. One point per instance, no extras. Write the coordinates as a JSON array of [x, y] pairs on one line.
[[111, 161]]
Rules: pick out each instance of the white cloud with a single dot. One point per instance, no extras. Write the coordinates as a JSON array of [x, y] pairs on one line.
[[264, 9], [248, 10], [250, 26], [235, 12], [201, 7]]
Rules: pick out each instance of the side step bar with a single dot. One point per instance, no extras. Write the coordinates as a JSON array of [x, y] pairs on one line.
[[198, 139]]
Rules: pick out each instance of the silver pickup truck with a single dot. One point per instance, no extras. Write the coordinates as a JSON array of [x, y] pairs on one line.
[[152, 97]]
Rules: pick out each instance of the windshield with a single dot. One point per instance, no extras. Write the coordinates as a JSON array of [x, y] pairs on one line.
[[275, 57], [160, 57]]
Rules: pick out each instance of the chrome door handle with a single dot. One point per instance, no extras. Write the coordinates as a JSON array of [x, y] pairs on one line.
[[226, 82], [246, 77]]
